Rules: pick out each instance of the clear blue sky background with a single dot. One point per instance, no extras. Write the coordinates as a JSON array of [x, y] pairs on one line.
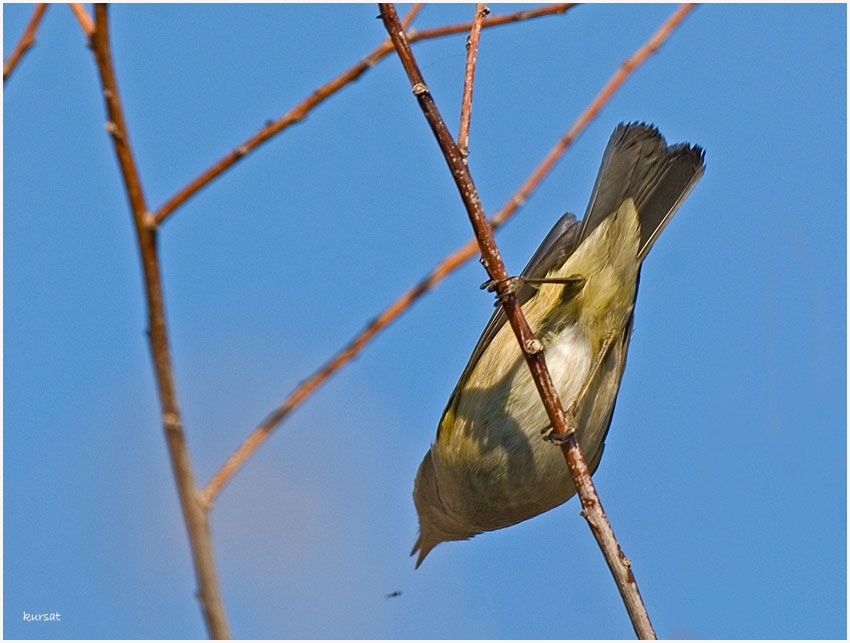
[[725, 469]]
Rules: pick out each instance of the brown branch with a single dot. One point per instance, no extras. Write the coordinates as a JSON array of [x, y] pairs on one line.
[[340, 359], [440, 272], [592, 110], [411, 15], [300, 111], [491, 21], [194, 512], [562, 423], [83, 18], [650, 47], [481, 12], [26, 41]]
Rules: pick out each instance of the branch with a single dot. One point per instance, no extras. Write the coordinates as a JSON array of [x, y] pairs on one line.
[[83, 18], [340, 359], [592, 111], [26, 41], [448, 265], [300, 111], [411, 15], [562, 423], [481, 12], [193, 511]]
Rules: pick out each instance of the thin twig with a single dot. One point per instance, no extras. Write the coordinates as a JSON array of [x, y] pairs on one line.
[[194, 512], [492, 21], [411, 15], [481, 12], [448, 265], [83, 18], [319, 377], [592, 110], [300, 111], [26, 41], [562, 423]]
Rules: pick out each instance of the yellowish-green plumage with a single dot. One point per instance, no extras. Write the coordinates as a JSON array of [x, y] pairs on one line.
[[490, 466], [498, 414]]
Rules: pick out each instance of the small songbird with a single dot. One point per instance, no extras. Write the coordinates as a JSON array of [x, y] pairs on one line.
[[491, 465]]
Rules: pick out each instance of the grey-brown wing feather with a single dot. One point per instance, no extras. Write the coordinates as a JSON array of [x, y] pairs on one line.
[[593, 458]]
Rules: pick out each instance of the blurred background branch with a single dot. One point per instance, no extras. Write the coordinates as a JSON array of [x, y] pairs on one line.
[[26, 41]]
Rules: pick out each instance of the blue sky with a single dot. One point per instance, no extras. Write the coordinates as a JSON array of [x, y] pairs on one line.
[[724, 474]]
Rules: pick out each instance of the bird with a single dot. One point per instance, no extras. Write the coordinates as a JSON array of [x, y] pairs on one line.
[[491, 465]]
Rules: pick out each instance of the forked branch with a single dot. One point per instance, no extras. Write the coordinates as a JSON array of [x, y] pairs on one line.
[[443, 269], [194, 512], [300, 111]]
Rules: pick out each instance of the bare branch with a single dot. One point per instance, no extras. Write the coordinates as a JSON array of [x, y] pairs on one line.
[[300, 111], [83, 18], [193, 511], [340, 359], [562, 423], [592, 111], [411, 15], [481, 12], [635, 60], [448, 265], [26, 41], [491, 21]]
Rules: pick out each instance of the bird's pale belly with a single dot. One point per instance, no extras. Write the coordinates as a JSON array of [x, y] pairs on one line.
[[504, 469]]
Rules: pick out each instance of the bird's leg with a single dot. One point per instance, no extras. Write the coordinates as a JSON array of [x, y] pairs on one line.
[[515, 283]]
